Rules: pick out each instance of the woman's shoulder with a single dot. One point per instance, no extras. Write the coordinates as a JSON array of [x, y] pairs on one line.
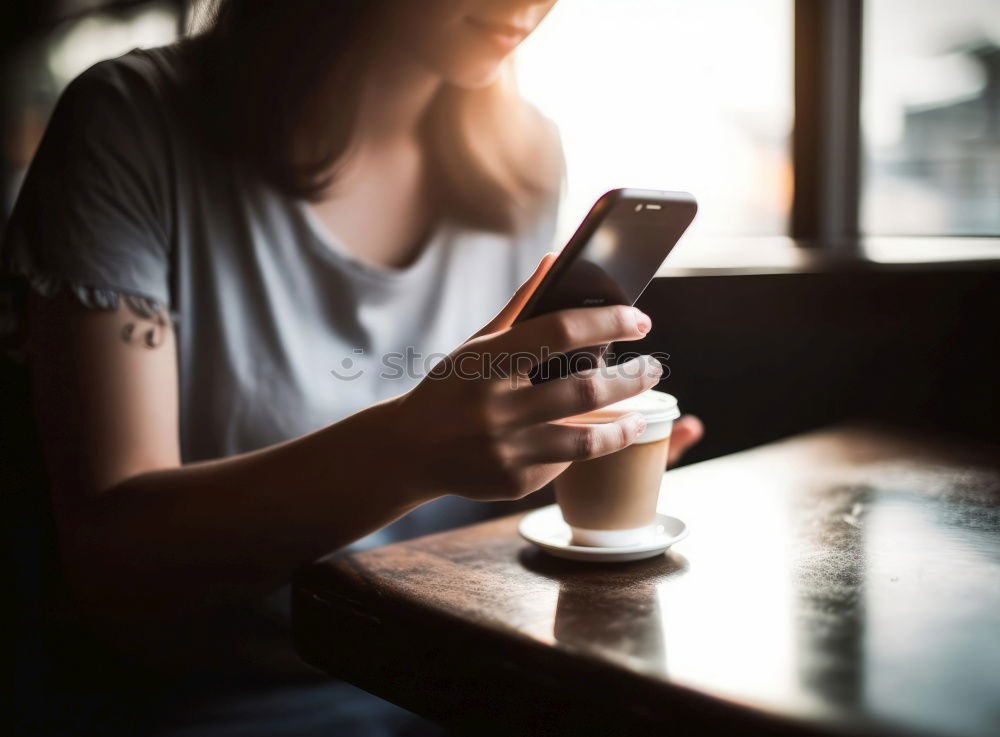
[[141, 82], [134, 117], [95, 208], [549, 165]]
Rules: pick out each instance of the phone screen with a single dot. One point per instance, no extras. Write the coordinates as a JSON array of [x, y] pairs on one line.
[[611, 260]]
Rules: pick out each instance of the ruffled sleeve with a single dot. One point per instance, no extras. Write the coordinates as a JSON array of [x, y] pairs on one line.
[[93, 215]]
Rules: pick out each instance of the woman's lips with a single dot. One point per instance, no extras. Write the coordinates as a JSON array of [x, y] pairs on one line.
[[503, 35]]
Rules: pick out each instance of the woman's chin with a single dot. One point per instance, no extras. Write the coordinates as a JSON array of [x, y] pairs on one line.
[[471, 70]]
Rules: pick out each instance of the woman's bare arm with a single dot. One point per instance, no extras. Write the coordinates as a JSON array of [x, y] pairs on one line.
[[141, 535]]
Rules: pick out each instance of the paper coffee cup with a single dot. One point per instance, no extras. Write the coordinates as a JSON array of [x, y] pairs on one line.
[[611, 501]]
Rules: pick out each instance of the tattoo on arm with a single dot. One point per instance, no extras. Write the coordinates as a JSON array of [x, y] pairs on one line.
[[150, 327]]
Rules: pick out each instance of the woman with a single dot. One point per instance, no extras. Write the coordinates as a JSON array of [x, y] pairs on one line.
[[244, 251]]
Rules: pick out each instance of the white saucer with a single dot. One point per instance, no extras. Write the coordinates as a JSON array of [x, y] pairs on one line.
[[545, 528]]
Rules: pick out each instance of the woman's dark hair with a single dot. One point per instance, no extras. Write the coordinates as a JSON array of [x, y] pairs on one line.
[[288, 75]]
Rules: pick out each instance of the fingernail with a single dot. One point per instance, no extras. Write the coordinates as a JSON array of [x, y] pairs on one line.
[[655, 366], [643, 322], [640, 425]]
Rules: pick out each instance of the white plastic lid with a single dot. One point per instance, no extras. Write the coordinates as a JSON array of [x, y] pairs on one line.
[[653, 405]]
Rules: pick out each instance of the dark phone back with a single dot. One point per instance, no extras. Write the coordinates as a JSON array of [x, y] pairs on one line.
[[611, 259]]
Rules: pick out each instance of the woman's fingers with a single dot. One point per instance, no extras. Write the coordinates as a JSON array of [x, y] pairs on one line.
[[528, 343], [561, 442], [510, 311], [578, 393], [687, 431]]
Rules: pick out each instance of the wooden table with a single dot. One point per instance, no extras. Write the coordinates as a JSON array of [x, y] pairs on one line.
[[844, 581]]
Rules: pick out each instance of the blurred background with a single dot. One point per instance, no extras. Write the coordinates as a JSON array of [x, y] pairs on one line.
[[675, 94], [669, 94], [45, 44]]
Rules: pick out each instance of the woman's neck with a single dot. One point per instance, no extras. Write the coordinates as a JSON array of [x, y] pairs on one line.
[[381, 204], [393, 102]]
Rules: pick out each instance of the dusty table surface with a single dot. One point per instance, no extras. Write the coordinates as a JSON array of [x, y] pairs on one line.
[[846, 580]]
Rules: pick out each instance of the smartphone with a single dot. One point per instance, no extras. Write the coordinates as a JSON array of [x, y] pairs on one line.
[[610, 260]]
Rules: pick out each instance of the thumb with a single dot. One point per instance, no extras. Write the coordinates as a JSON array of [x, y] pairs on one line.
[[506, 316]]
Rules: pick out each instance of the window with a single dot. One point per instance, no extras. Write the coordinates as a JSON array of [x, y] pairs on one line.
[[931, 117], [671, 94], [104, 35]]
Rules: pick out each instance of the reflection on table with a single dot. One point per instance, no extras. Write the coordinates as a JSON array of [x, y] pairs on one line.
[[845, 579]]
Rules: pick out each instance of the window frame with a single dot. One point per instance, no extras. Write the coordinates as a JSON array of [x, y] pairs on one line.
[[827, 142], [826, 130]]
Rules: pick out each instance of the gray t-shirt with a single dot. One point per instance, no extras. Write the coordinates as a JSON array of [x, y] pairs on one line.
[[280, 328]]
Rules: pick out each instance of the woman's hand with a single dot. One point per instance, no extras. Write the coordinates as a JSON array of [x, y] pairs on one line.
[[477, 427], [686, 432]]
